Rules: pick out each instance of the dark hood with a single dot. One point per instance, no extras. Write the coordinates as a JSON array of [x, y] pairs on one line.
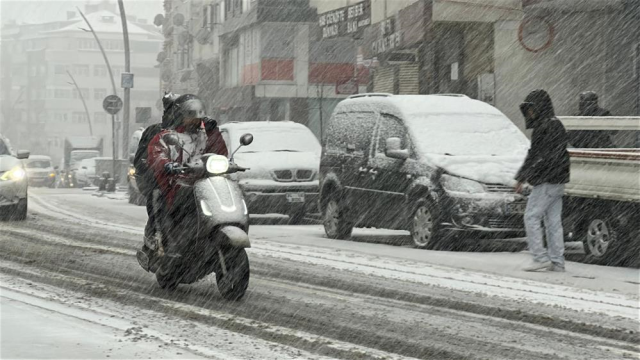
[[542, 106]]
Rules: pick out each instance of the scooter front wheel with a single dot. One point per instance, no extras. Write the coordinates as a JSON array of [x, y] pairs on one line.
[[233, 284]]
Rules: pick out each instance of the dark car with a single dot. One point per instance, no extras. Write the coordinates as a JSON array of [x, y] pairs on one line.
[[430, 164]]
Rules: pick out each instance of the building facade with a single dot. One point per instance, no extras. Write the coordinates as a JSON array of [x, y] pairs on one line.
[[40, 104]]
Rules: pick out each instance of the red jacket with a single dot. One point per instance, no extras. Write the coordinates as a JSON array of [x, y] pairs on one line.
[[160, 154]]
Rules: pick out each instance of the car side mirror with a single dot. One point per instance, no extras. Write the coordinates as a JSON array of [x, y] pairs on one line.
[[246, 139], [23, 154], [56, 167], [84, 167], [393, 149]]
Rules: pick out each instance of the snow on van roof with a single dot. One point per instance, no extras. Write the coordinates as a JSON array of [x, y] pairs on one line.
[[408, 105]]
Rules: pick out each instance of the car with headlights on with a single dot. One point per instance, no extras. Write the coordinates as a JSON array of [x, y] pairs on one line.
[[13, 182], [436, 165], [283, 161], [40, 172]]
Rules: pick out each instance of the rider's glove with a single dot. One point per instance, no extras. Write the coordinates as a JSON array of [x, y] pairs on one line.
[[209, 123], [172, 168]]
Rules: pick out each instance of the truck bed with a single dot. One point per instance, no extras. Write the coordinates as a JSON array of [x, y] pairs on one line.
[[609, 174]]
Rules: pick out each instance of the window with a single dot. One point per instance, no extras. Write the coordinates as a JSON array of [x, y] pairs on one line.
[[100, 117], [79, 117], [60, 69], [99, 94], [62, 94], [100, 70], [84, 91], [81, 70], [390, 126], [351, 132]]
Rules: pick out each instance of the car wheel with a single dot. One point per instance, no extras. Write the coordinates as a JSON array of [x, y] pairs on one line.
[[335, 224], [601, 241], [425, 226], [20, 210]]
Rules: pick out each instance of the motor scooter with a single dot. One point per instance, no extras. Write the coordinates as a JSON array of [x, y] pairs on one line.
[[206, 229]]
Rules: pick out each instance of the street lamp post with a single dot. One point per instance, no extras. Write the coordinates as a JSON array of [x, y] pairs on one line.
[[84, 103], [127, 90]]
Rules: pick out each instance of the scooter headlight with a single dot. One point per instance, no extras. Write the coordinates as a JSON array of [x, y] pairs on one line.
[[15, 174], [217, 164]]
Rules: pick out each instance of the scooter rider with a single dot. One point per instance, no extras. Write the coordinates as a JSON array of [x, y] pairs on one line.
[[197, 135]]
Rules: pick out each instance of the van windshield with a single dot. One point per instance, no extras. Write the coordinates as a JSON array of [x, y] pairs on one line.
[[467, 134]]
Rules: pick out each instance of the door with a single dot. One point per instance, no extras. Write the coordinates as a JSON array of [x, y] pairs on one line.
[[390, 178], [349, 147]]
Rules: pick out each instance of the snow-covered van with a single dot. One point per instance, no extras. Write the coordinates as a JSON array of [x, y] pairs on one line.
[[283, 161], [436, 165], [602, 200]]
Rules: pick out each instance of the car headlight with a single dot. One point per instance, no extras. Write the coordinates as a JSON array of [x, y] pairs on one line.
[[52, 175], [217, 164], [15, 174], [458, 184]]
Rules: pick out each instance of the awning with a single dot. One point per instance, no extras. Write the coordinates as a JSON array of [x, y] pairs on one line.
[[487, 11], [566, 6]]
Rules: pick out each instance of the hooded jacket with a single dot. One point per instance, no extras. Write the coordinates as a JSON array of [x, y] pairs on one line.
[[548, 159], [589, 138]]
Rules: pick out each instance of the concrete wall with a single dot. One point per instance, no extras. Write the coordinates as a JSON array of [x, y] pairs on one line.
[[590, 51]]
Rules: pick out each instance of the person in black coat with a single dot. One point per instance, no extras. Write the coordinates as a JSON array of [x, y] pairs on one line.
[[591, 139], [547, 169]]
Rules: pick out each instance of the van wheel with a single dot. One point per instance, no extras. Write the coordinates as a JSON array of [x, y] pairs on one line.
[[425, 225], [335, 224], [601, 241]]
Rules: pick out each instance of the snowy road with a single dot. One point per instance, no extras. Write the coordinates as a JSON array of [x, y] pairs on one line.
[[309, 297]]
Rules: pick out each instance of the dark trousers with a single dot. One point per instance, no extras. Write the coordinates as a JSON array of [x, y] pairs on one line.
[[150, 228]]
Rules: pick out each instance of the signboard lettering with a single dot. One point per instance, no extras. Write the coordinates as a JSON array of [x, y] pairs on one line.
[[346, 20]]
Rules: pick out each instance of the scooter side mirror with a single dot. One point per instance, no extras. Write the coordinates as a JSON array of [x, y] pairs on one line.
[[246, 139]]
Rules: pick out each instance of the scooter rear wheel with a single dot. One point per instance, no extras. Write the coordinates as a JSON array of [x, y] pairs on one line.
[[234, 283]]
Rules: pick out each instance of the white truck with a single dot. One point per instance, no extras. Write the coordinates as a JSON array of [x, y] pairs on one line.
[[602, 200]]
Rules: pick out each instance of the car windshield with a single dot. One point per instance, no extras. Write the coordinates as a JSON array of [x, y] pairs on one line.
[[82, 155], [280, 140], [467, 134], [38, 164]]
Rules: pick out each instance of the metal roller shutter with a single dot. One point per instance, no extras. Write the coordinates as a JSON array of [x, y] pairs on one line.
[[408, 79], [383, 80]]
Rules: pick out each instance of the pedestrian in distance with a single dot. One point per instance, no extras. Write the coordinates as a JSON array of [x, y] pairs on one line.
[[547, 169]]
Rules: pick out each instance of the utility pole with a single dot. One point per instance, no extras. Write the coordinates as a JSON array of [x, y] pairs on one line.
[[127, 90], [84, 103]]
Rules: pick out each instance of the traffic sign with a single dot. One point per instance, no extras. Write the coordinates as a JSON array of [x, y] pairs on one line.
[[112, 104]]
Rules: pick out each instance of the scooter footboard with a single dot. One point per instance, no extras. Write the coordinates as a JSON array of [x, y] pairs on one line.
[[235, 236]]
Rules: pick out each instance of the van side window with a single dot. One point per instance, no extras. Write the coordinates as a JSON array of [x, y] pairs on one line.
[[391, 126], [353, 130]]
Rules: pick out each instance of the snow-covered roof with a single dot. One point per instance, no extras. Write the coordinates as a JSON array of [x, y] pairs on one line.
[[104, 22]]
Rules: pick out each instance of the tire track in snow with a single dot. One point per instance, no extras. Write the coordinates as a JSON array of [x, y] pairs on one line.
[[489, 285]]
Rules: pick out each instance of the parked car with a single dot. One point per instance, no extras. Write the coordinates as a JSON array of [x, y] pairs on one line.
[[13, 182], [436, 165], [40, 172], [283, 162]]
